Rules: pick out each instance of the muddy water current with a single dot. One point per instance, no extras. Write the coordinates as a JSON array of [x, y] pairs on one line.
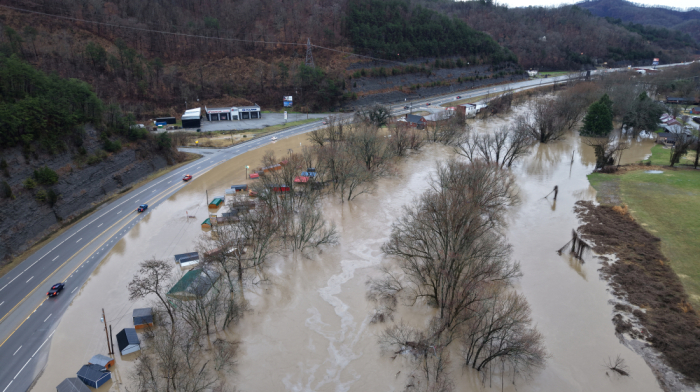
[[308, 328]]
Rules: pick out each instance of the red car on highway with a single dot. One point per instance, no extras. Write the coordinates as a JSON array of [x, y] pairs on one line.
[[187, 177]]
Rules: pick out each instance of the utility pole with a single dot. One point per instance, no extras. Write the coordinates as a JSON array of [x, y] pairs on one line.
[[111, 338], [207, 193], [104, 321]]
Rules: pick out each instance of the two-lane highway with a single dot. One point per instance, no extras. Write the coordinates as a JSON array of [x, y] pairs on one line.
[[28, 318]]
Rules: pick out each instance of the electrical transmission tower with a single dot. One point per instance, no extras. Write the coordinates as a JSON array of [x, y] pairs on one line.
[[309, 55]]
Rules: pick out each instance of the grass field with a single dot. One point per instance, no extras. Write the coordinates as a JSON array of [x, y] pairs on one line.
[[552, 74], [668, 205], [661, 156]]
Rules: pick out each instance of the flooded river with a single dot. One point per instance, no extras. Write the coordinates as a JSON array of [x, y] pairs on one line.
[[308, 329]]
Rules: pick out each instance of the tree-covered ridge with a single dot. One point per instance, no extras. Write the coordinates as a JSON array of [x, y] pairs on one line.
[[660, 35], [35, 106], [396, 30]]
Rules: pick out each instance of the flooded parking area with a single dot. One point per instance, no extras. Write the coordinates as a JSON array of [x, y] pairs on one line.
[[308, 328]]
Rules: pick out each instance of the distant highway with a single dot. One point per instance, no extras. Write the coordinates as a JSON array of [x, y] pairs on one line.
[[28, 318]]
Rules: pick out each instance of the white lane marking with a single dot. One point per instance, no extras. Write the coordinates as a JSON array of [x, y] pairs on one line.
[[20, 370], [170, 181], [29, 279], [42, 345], [73, 290], [154, 190], [17, 351], [2, 303], [54, 259], [48, 317], [79, 240], [8, 385], [100, 224]]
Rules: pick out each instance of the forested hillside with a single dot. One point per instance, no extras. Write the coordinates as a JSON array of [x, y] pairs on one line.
[[149, 58], [567, 37], [685, 22]]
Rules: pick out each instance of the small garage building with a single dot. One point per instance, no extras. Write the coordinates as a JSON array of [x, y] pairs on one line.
[[72, 385], [101, 360], [128, 341], [218, 114], [143, 317], [249, 112], [192, 118], [94, 375]]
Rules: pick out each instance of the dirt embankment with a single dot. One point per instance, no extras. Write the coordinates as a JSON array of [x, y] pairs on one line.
[[642, 277], [26, 218]]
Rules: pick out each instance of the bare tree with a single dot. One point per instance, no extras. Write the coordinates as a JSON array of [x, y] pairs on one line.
[[404, 138], [680, 147], [307, 229], [499, 329], [153, 278], [384, 293], [500, 148], [606, 149], [617, 365], [446, 242], [446, 129], [544, 121], [173, 361]]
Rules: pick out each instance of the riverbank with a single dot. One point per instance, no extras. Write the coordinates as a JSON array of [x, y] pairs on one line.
[[651, 304]]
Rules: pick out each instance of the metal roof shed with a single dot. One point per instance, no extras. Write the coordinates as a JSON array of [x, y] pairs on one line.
[[192, 118], [101, 360], [143, 318], [94, 375], [128, 341], [187, 259], [194, 284], [72, 385]]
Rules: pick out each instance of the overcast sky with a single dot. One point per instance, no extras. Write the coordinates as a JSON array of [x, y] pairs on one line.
[[524, 3]]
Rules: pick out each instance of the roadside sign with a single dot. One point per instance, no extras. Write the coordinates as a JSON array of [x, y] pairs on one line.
[[655, 62], [287, 101], [285, 114]]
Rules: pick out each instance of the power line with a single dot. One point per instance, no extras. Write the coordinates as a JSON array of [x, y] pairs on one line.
[[308, 44]]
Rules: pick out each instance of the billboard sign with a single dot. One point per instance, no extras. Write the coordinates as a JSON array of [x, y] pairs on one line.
[[655, 62], [287, 101]]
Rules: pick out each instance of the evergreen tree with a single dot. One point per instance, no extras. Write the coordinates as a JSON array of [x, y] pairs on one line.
[[598, 120]]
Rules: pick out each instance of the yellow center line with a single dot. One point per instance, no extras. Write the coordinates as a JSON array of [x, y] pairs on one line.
[[155, 199]]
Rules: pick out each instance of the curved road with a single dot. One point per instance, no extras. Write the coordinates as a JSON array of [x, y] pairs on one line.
[[28, 318]]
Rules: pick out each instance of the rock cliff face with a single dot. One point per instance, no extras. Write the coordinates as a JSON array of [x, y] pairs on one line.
[[25, 220]]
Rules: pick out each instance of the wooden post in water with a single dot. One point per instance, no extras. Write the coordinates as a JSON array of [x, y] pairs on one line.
[[556, 191]]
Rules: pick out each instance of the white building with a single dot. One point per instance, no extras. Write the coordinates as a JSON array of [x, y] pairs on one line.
[[233, 113]]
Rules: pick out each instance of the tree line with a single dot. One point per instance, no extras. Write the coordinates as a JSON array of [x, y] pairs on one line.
[[398, 30]]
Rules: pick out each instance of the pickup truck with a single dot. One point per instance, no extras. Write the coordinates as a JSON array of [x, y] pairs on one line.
[[142, 208]]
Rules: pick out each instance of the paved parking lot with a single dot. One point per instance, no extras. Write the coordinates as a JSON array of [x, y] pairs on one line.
[[268, 119]]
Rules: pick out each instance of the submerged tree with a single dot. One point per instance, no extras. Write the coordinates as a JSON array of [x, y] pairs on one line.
[[446, 242], [500, 148]]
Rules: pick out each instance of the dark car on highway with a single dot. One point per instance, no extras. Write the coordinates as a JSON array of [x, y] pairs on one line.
[[55, 289], [142, 208], [405, 107], [458, 97]]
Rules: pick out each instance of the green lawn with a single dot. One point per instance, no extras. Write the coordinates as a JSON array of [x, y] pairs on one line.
[[668, 205], [552, 74], [661, 156]]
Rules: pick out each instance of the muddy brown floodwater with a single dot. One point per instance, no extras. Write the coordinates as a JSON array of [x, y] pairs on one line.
[[308, 329]]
